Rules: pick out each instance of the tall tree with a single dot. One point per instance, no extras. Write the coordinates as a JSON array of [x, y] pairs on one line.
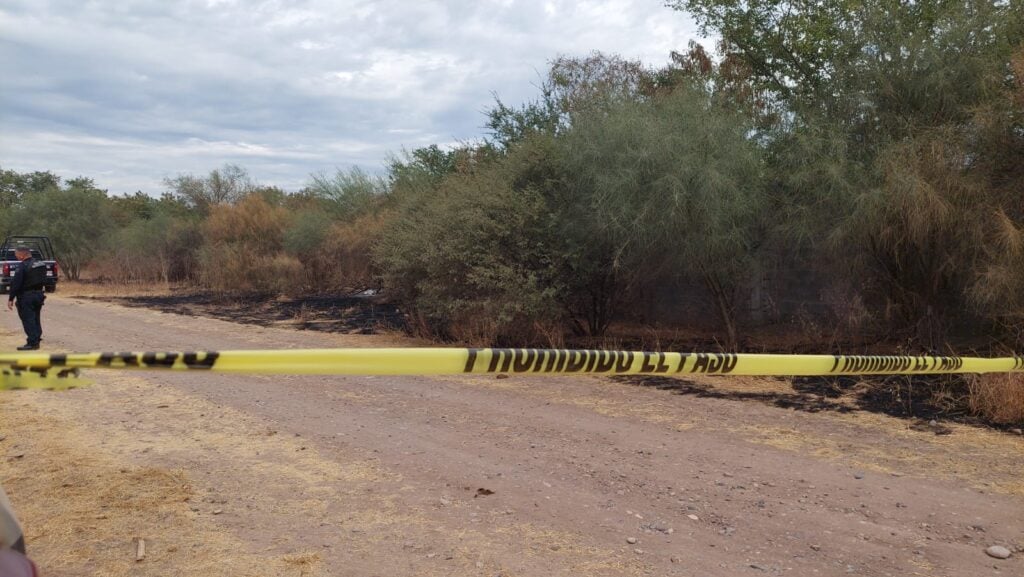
[[573, 85], [673, 187], [224, 185], [76, 217]]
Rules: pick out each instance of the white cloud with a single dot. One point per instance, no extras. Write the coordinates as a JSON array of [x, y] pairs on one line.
[[313, 45], [130, 92]]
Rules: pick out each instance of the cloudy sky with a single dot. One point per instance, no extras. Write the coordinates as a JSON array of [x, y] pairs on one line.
[[131, 91]]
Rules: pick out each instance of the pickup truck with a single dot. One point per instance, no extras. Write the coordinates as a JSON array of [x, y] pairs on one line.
[[41, 250]]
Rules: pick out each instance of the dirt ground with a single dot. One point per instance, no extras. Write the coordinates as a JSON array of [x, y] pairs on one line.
[[483, 476]]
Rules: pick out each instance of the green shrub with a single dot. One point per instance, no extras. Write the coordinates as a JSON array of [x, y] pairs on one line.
[[469, 259]]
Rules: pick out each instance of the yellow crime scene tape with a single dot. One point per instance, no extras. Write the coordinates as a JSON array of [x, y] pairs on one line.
[[15, 378], [60, 370]]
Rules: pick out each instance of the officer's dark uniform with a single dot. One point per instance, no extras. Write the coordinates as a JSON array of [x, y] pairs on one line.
[[27, 288]]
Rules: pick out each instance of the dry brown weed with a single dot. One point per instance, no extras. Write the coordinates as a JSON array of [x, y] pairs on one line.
[[998, 397]]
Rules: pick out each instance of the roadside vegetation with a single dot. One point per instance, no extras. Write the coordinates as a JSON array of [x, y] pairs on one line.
[[835, 172]]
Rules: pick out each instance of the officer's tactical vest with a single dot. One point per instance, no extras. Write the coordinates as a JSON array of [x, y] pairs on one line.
[[35, 275]]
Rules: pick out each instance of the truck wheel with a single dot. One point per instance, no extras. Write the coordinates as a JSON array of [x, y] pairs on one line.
[[50, 288]]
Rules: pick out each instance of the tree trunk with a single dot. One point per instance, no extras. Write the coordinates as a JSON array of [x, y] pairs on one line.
[[723, 305]]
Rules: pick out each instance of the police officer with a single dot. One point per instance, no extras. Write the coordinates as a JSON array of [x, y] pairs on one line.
[[27, 288]]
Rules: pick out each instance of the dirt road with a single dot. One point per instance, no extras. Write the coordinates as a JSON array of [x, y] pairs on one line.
[[362, 476]]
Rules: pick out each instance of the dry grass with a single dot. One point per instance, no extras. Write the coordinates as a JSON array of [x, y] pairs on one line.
[[998, 397], [83, 511], [116, 289], [305, 563]]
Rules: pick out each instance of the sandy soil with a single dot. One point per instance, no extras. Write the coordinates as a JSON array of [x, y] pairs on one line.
[[360, 476]]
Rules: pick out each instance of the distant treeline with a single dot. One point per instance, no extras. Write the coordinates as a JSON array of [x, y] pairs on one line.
[[845, 167]]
